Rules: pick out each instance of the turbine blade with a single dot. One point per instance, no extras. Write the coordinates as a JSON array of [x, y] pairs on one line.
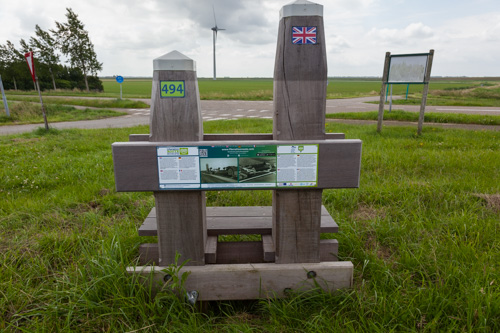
[[215, 20]]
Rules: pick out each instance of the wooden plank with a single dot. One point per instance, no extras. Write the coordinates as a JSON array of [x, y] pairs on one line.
[[228, 223], [234, 137], [239, 252], [268, 248], [136, 165], [254, 281], [237, 211], [211, 250]]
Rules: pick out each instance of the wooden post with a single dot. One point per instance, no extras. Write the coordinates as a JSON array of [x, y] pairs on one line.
[[41, 103], [181, 218], [4, 98], [425, 91], [381, 103], [300, 80]]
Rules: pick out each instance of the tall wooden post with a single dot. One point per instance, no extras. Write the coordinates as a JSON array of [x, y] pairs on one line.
[[300, 80], [4, 98], [381, 103], [176, 116], [425, 92]]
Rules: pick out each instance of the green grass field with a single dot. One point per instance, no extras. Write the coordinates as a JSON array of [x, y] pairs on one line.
[[422, 232], [262, 89], [31, 113], [430, 117]]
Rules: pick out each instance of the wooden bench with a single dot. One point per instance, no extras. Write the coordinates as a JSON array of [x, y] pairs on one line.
[[256, 220]]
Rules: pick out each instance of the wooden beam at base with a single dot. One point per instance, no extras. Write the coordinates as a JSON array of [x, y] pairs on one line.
[[254, 281], [239, 252]]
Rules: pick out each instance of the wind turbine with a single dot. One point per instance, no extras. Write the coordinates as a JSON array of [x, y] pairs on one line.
[[215, 29]]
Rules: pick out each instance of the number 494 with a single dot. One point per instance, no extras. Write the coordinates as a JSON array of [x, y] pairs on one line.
[[171, 89]]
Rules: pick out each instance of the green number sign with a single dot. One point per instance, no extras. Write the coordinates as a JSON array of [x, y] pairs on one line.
[[172, 89]]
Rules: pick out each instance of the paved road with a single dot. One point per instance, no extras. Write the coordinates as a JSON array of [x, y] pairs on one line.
[[217, 110]]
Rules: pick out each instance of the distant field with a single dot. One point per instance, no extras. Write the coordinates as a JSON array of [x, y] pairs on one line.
[[262, 89]]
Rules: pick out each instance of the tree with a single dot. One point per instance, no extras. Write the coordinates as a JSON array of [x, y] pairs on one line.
[[75, 43], [44, 46]]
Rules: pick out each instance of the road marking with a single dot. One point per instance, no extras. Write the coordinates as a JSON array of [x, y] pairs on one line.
[[225, 114], [264, 111], [475, 110], [252, 110]]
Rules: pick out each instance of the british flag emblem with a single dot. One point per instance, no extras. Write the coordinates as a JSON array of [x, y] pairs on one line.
[[304, 35]]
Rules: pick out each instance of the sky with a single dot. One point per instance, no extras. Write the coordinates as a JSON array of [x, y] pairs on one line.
[[129, 34]]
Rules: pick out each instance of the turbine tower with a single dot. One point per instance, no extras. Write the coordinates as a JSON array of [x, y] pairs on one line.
[[215, 29]]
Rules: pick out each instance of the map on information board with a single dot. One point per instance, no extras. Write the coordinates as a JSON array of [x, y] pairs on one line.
[[407, 69], [237, 166]]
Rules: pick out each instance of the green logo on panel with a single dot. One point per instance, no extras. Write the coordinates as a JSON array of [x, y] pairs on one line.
[[184, 151], [172, 89], [301, 148]]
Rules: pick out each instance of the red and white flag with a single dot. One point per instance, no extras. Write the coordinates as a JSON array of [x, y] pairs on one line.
[[31, 64]]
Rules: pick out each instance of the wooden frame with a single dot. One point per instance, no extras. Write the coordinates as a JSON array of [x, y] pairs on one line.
[[136, 166], [253, 281]]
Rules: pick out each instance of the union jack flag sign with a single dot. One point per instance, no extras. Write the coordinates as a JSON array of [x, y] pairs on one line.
[[304, 35]]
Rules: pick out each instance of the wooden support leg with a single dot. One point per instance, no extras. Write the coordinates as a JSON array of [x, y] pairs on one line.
[[181, 226], [296, 225]]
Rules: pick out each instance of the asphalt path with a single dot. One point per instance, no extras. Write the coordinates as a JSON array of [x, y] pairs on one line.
[[229, 109]]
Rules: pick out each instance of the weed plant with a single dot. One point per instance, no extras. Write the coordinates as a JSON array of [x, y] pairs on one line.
[[422, 231]]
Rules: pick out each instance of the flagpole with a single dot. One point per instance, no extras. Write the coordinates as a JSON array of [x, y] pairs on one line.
[[41, 102]]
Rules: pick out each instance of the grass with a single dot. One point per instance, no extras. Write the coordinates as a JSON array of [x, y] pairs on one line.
[[262, 89], [468, 96], [95, 103], [422, 231], [432, 117], [30, 113]]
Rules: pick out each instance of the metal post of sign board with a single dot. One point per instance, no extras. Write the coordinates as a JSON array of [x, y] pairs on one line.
[[119, 79], [4, 98], [407, 89], [390, 103]]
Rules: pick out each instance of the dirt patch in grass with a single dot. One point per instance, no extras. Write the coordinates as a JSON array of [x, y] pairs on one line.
[[366, 213], [383, 252], [492, 200]]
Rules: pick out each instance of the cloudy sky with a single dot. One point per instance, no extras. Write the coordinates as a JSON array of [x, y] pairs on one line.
[[129, 34]]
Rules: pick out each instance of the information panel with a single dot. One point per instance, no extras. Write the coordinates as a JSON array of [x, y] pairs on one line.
[[237, 166], [407, 69]]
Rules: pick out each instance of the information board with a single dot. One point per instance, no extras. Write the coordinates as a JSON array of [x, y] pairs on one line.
[[237, 166], [407, 68]]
